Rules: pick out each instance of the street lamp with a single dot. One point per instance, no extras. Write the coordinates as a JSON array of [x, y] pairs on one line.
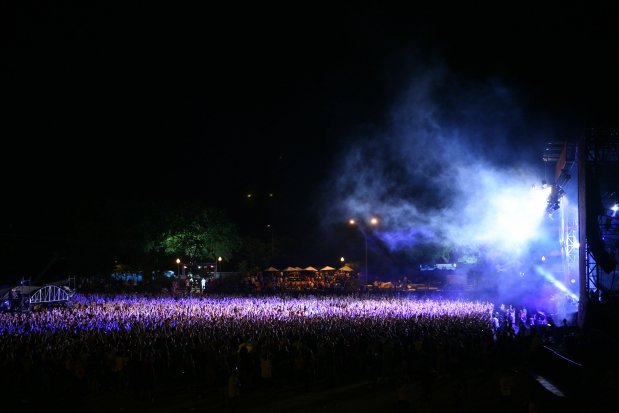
[[219, 259], [373, 221], [271, 230], [178, 267]]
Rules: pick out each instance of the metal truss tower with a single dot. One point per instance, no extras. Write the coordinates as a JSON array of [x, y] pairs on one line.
[[563, 155], [598, 185], [589, 238]]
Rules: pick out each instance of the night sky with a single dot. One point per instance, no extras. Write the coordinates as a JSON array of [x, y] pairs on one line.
[[171, 102]]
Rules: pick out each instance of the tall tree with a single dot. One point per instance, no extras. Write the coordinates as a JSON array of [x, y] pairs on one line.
[[205, 236]]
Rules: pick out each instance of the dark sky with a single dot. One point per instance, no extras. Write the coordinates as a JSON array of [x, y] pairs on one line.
[[165, 101]]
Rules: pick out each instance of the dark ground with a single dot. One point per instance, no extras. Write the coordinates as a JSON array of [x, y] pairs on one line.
[[478, 391]]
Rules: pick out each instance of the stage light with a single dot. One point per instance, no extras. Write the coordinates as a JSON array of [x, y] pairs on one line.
[[554, 198]]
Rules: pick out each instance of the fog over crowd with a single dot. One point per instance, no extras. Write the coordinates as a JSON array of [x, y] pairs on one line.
[[455, 163]]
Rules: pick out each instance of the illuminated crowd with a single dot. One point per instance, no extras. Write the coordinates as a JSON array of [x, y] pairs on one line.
[[139, 345], [122, 342]]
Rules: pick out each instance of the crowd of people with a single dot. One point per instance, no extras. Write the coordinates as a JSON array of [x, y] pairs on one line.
[[141, 344]]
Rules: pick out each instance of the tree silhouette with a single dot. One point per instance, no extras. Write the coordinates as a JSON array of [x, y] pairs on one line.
[[202, 237]]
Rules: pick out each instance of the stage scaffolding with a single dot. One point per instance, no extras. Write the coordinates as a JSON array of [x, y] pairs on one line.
[[590, 238]]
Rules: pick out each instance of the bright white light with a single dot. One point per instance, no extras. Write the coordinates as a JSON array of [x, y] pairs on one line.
[[615, 208], [573, 281], [558, 284], [576, 244], [543, 258], [514, 216]]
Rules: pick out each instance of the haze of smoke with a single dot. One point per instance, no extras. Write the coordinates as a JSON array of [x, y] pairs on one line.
[[455, 167], [448, 170]]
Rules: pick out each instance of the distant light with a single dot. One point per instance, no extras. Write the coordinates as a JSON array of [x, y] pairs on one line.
[[219, 259], [573, 281], [374, 221], [271, 195], [559, 285], [576, 244], [342, 259], [615, 208], [351, 221], [543, 258], [248, 195]]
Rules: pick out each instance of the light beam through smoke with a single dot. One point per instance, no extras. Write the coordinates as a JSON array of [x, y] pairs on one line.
[[456, 165]]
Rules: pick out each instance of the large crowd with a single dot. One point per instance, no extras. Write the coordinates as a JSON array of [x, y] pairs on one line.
[[141, 344]]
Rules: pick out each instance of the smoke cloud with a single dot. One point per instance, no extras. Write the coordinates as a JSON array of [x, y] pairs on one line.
[[455, 165]]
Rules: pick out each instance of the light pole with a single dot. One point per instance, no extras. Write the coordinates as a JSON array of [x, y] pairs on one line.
[[219, 259], [178, 267], [366, 259], [271, 230], [373, 221]]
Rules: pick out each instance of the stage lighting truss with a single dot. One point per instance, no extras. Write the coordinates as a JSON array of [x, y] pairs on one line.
[[554, 199], [564, 155], [557, 191]]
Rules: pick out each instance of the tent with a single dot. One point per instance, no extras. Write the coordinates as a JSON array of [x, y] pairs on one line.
[[289, 269], [310, 269], [327, 268], [346, 268], [271, 269], [298, 268]]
